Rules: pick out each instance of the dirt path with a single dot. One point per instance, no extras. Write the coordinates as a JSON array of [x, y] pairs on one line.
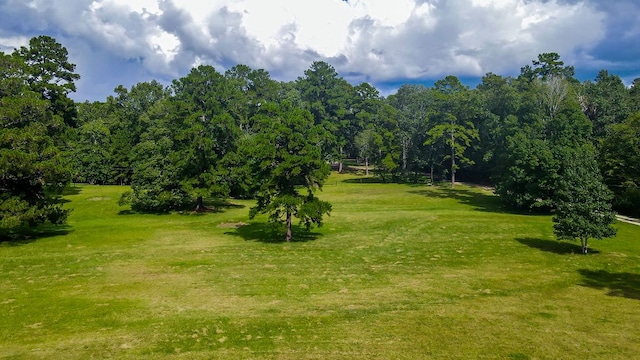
[[629, 220]]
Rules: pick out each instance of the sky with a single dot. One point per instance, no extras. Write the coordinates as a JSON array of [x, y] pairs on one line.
[[383, 42]]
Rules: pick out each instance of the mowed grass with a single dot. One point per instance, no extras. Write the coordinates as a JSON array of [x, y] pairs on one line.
[[397, 272]]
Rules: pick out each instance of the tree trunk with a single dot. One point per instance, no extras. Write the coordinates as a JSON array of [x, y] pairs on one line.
[[366, 166], [289, 233], [340, 162], [585, 247], [431, 175], [405, 149], [200, 204], [453, 162]]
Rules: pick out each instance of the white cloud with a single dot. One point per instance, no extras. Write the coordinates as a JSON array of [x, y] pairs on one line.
[[372, 40], [471, 37], [8, 44]]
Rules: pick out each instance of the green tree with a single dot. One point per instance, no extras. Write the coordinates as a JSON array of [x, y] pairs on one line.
[[386, 125], [363, 102], [530, 176], [91, 144], [155, 182], [287, 165], [205, 130], [91, 158], [412, 103], [547, 65], [51, 74], [502, 100], [368, 143], [605, 101], [126, 124], [327, 97], [620, 163], [634, 93], [549, 122], [32, 171], [583, 201], [450, 121], [252, 88], [530, 173], [187, 136]]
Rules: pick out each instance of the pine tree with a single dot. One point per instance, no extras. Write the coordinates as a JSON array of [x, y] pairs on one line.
[[285, 158], [32, 171]]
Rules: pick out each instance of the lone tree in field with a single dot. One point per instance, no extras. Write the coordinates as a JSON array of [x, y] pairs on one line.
[[285, 158], [583, 201]]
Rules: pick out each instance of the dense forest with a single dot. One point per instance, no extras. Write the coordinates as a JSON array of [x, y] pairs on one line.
[[214, 135]]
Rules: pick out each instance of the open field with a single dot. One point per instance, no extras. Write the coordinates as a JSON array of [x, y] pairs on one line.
[[397, 272]]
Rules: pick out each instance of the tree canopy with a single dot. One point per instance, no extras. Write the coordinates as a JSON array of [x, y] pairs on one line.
[[286, 163], [583, 201], [35, 114]]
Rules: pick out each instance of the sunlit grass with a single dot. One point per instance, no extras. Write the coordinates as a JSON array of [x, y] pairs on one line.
[[397, 272]]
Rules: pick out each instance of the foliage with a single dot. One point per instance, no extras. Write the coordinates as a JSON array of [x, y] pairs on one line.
[[501, 98], [548, 123], [285, 158], [205, 131], [548, 65], [156, 175], [178, 157], [450, 122], [368, 142], [412, 104], [32, 172], [620, 162], [583, 201], [51, 74], [92, 156], [251, 88], [33, 169], [605, 101], [530, 179], [328, 96]]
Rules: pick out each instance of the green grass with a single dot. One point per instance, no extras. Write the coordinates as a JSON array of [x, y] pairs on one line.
[[397, 272]]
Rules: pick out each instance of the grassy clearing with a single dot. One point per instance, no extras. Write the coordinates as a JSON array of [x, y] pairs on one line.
[[398, 272]]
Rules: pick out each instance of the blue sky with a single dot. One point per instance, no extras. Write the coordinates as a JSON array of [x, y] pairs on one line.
[[386, 43]]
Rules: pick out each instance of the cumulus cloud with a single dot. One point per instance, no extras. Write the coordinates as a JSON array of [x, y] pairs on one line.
[[620, 50], [474, 37], [124, 42]]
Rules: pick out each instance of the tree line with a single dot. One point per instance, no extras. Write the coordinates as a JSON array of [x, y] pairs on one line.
[[242, 134]]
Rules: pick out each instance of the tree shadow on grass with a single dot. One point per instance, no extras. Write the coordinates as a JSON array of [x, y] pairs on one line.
[[28, 235], [71, 190], [619, 284], [554, 246], [478, 200], [271, 233], [353, 169], [212, 207], [365, 180]]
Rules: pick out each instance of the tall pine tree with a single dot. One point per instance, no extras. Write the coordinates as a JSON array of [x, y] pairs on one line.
[[33, 171]]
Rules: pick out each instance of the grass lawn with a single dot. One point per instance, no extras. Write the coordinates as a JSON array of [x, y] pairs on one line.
[[397, 272]]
